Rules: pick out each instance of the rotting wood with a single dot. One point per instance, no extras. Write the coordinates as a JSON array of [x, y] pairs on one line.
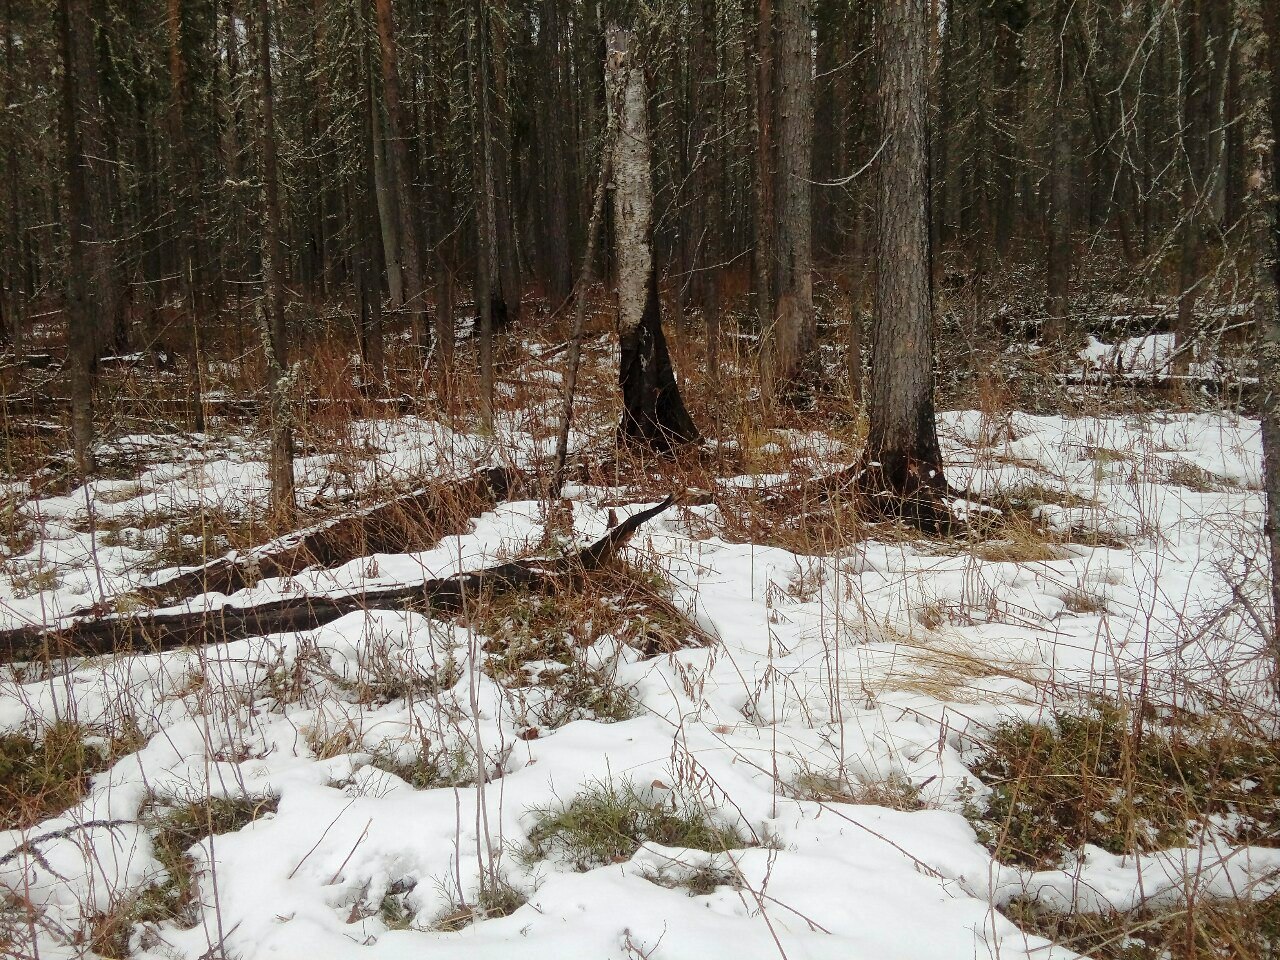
[[155, 632]]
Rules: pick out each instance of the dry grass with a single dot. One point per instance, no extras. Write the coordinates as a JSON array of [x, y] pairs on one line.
[[43, 773], [1098, 777], [1205, 929]]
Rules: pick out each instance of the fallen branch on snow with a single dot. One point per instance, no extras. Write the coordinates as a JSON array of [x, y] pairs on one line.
[[154, 632], [405, 523]]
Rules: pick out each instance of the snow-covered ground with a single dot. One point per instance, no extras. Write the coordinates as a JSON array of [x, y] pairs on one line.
[[887, 661]]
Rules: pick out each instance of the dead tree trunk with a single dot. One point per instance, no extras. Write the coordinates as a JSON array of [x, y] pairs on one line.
[[653, 413], [902, 464], [276, 336], [153, 632]]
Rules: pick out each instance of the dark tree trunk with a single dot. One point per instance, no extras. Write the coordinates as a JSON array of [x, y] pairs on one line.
[[92, 293], [490, 305], [1195, 119], [401, 181], [554, 101], [1265, 181], [366, 202], [707, 202], [1008, 49], [1059, 252], [14, 302], [280, 464], [762, 255], [902, 466], [792, 334], [507, 288], [653, 413]]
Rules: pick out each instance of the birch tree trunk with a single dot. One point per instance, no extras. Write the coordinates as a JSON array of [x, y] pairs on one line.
[[653, 413], [902, 462]]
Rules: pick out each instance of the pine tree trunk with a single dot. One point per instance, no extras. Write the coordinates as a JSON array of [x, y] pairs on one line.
[[653, 413], [554, 107], [276, 335], [707, 201], [508, 286], [1059, 253], [401, 179], [765, 210], [15, 296], [902, 461], [490, 306], [92, 293], [366, 203], [1195, 110], [790, 342], [1264, 183]]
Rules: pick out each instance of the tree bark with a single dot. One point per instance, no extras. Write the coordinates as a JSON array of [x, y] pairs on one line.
[[490, 305], [653, 413], [372, 354], [708, 201], [401, 170], [14, 302], [902, 464], [92, 292], [1060, 252], [763, 256], [792, 334], [276, 334], [1195, 120], [1264, 181]]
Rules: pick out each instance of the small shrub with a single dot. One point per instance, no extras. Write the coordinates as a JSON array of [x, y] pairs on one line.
[[42, 776], [493, 901], [1088, 778], [31, 579], [607, 824], [429, 769], [174, 832]]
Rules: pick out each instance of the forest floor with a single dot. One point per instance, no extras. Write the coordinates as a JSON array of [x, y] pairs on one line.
[[771, 729]]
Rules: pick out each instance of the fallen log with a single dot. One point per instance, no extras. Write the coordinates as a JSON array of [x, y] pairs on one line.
[[406, 523], [154, 632]]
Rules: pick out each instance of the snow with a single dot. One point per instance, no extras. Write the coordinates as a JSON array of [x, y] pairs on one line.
[[888, 660]]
